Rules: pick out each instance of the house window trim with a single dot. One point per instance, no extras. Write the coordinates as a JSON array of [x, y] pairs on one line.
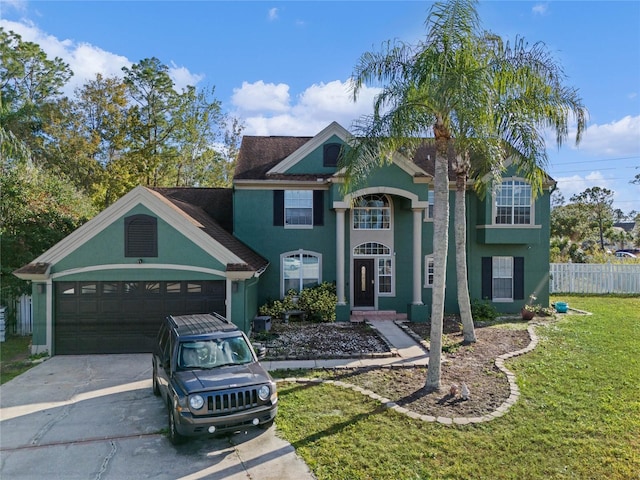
[[494, 206], [429, 211], [392, 284], [298, 226], [299, 253], [388, 207], [429, 260], [493, 277]]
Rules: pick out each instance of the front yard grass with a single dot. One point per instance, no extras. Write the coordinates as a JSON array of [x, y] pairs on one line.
[[14, 357], [578, 415]]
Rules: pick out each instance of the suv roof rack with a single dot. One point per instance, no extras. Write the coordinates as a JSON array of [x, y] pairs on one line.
[[198, 324]]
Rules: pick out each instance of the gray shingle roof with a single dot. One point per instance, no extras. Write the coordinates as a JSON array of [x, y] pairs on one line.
[[209, 204]]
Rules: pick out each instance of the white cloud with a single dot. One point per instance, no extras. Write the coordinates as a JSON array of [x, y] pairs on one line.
[[267, 108], [540, 8], [260, 96], [86, 60], [616, 139], [273, 14], [182, 77], [17, 5], [575, 184]]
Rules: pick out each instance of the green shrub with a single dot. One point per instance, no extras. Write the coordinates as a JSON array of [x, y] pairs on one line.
[[483, 310], [319, 303]]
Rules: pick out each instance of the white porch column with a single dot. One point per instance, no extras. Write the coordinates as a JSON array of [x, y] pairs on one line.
[[340, 256], [417, 255]]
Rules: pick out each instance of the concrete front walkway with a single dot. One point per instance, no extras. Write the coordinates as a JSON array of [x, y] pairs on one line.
[[409, 353]]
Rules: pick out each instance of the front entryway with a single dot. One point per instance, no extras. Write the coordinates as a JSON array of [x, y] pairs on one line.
[[363, 282]]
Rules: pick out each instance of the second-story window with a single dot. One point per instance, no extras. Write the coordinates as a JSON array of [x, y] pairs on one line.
[[298, 208], [431, 200], [513, 203], [372, 212]]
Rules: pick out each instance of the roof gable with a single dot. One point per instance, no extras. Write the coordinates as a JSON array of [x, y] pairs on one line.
[[333, 130], [192, 221]]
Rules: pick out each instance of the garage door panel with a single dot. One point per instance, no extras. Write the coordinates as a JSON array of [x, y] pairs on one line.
[[88, 306], [67, 305], [124, 317], [111, 305]]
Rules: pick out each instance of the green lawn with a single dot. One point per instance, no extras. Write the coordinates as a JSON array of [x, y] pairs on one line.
[[14, 357], [578, 416]]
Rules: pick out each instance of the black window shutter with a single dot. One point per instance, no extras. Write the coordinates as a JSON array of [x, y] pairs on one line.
[[140, 236], [331, 154], [487, 276], [318, 207], [278, 208], [518, 278]]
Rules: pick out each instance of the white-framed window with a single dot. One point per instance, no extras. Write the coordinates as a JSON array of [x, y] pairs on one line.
[[385, 275], [502, 278], [431, 201], [513, 203], [300, 270], [372, 212], [384, 263], [429, 269], [298, 208]]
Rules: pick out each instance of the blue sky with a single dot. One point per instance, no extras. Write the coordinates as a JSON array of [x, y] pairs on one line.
[[283, 67]]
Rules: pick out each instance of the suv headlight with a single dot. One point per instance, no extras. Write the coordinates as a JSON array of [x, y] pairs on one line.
[[263, 392], [196, 402]]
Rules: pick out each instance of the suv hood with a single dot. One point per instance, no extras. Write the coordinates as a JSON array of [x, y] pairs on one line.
[[222, 378]]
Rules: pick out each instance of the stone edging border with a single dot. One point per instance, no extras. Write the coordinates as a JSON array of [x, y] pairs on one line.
[[497, 413]]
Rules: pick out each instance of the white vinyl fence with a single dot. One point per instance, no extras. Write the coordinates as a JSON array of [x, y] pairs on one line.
[[24, 323], [594, 278]]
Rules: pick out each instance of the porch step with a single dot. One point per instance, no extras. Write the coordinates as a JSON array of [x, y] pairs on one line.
[[358, 316]]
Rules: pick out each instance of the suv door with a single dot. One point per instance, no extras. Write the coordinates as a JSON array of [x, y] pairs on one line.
[[162, 362]]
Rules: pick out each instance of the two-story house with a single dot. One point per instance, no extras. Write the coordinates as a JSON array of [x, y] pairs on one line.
[[287, 223]]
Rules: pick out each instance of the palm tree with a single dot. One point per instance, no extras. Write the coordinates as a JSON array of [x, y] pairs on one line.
[[484, 101]]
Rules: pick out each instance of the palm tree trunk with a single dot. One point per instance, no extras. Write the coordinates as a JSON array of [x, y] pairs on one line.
[[440, 246], [460, 217]]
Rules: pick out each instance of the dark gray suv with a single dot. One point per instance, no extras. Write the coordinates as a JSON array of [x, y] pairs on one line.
[[208, 373]]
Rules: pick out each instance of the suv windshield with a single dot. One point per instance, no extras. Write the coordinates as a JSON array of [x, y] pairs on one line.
[[214, 353]]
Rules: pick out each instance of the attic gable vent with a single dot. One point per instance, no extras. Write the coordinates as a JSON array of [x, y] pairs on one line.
[[331, 154], [140, 236]]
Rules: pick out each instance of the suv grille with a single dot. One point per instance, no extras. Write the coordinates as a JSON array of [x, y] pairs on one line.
[[232, 401]]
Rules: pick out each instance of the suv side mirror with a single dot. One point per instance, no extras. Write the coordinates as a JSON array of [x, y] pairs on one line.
[[261, 350]]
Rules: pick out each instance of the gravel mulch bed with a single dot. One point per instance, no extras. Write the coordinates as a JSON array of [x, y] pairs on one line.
[[472, 364]]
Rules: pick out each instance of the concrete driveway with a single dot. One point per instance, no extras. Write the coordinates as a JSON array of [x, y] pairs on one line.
[[95, 417]]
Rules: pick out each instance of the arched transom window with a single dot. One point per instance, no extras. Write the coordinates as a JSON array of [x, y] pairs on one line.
[[371, 248], [372, 212]]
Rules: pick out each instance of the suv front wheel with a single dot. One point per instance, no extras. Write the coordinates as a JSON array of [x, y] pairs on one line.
[[174, 436]]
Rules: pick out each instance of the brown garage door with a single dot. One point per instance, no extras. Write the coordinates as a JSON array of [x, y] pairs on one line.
[[124, 317]]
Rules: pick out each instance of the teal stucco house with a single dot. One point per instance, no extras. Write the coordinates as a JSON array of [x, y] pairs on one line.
[[287, 223]]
